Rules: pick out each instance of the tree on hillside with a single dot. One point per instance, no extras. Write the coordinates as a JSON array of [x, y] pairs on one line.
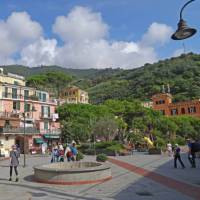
[[53, 82]]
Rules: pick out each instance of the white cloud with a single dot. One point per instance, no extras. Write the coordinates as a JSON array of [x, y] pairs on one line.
[[157, 34], [16, 32], [42, 52], [86, 45], [81, 24]]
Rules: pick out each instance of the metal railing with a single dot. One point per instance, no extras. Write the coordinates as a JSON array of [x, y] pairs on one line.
[[9, 115], [49, 131], [29, 130]]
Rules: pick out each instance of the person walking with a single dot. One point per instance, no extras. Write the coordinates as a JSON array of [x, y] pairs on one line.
[[191, 153], [68, 153], [14, 162], [177, 155], [61, 154], [169, 149], [74, 151]]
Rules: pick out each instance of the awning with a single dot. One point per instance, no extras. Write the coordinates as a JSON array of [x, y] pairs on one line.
[[39, 140], [51, 136]]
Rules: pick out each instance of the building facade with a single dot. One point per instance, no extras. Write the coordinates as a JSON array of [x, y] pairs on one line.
[[26, 109], [74, 95], [163, 102]]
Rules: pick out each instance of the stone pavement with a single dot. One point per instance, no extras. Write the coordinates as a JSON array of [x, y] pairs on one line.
[[125, 185]]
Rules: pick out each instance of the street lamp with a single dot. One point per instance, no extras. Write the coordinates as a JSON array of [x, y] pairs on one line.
[[24, 116], [183, 30]]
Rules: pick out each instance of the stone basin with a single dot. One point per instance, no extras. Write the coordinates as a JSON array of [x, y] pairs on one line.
[[72, 173]]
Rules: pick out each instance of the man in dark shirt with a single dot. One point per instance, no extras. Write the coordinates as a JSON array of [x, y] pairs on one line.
[[191, 153], [177, 155]]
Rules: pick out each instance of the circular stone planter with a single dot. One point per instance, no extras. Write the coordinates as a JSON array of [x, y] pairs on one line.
[[73, 173]]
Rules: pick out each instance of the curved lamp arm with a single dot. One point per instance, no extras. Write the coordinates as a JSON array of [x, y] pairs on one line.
[[184, 8]]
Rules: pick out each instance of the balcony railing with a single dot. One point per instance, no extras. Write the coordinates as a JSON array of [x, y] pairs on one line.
[[46, 116], [28, 130], [11, 95], [53, 131], [9, 115]]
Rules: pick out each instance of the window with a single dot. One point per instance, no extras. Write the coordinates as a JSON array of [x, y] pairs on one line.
[[162, 112], [45, 111], [26, 94], [46, 125], [14, 93], [192, 109], [160, 102], [6, 92], [27, 107], [182, 110], [44, 97], [174, 112], [7, 138], [16, 83], [7, 124], [40, 96], [16, 105]]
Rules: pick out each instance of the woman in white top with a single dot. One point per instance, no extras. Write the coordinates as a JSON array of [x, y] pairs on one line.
[[169, 149]]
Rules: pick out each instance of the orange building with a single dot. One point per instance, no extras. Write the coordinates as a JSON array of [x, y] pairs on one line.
[[163, 103]]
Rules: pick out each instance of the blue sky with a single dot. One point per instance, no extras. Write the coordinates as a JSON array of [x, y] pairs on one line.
[[127, 21]]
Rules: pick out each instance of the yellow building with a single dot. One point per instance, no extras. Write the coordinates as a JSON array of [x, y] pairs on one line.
[[11, 78], [75, 95]]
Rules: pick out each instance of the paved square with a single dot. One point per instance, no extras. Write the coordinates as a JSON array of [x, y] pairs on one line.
[[125, 185]]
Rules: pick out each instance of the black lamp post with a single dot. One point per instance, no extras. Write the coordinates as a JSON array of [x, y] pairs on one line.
[[183, 30], [24, 116]]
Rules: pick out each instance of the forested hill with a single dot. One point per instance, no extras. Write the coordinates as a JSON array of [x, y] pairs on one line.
[[76, 73], [182, 73]]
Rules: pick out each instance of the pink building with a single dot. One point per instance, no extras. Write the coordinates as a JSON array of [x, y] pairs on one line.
[[23, 107]]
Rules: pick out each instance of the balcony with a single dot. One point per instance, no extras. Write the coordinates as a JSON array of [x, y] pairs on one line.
[[10, 95], [28, 130], [45, 116], [51, 131], [9, 115]]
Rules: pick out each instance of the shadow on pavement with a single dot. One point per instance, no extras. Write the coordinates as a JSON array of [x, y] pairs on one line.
[[53, 191], [159, 182]]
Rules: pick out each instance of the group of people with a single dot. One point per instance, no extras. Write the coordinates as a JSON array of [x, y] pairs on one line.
[[193, 148], [58, 152]]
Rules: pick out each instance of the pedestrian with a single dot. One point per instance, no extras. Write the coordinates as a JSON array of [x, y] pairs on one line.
[[177, 155], [68, 153], [191, 153], [169, 149], [74, 151], [61, 154], [56, 154], [14, 162], [194, 147]]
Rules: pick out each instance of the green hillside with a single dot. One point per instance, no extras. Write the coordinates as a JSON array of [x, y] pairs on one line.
[[181, 73]]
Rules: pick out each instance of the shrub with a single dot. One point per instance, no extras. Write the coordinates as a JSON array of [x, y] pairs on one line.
[[101, 158], [79, 156], [89, 151], [103, 145], [115, 148]]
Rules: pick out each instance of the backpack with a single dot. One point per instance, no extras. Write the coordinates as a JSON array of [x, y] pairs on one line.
[[69, 154]]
